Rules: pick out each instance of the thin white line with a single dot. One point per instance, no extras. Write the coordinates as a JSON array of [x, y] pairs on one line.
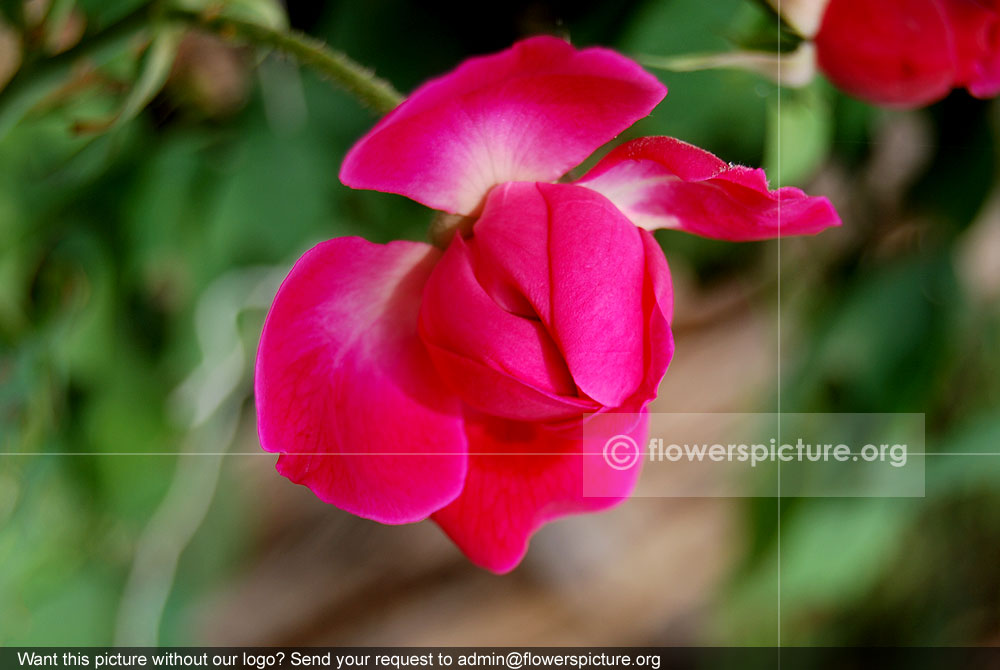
[[313, 453], [957, 453], [778, 166], [307, 453], [695, 459]]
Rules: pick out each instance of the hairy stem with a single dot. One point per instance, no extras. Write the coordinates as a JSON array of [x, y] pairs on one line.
[[357, 80], [37, 79]]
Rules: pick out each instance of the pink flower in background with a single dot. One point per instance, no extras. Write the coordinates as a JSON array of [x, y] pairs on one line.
[[909, 53], [400, 382]]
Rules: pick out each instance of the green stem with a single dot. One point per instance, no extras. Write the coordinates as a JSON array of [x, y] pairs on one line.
[[37, 79], [357, 80]]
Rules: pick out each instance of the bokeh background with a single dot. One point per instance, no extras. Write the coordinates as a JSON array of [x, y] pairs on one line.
[[138, 258]]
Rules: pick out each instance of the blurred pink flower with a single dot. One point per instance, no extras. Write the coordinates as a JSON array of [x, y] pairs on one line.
[[399, 382], [910, 53]]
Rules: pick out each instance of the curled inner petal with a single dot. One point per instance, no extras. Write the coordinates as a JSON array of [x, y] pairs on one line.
[[557, 305]]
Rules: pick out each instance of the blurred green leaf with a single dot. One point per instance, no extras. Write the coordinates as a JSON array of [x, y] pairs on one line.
[[870, 344], [960, 473], [45, 586], [799, 135], [834, 550], [721, 110], [153, 69]]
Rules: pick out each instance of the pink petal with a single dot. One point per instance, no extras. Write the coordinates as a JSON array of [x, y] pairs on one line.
[[581, 265], [461, 316], [890, 52], [556, 291], [528, 113], [658, 300], [976, 28], [484, 387], [345, 391], [660, 182], [500, 362], [520, 477]]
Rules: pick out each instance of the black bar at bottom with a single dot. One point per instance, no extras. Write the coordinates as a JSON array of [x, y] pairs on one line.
[[509, 658]]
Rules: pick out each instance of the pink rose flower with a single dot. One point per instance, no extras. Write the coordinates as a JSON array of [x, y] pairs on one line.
[[400, 382], [909, 53]]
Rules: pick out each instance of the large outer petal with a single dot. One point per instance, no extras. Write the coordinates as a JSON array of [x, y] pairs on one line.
[[345, 390], [528, 113], [521, 476], [661, 182], [890, 52]]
